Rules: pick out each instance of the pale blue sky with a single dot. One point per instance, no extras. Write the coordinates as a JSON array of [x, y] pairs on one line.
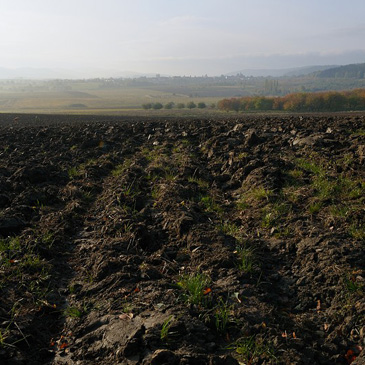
[[180, 37]]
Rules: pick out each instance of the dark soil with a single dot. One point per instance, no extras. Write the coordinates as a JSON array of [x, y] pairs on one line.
[[182, 241]]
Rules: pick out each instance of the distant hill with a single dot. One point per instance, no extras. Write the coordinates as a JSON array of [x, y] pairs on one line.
[[301, 71], [354, 71], [48, 73], [290, 72]]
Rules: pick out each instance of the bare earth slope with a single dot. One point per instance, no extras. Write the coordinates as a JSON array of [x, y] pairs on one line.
[[182, 241]]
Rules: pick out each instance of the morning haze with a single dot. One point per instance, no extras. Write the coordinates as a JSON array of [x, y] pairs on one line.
[[110, 38]]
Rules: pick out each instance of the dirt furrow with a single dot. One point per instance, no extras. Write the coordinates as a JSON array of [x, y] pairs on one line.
[[183, 241]]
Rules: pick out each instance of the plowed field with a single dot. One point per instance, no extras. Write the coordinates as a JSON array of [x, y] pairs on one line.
[[126, 241]]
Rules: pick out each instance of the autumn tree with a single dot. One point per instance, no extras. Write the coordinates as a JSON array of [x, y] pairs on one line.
[[324, 101]]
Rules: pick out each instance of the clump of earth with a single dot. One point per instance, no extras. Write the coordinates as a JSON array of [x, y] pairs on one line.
[[176, 241]]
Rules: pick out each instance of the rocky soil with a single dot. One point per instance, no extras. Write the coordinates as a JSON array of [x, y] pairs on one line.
[[236, 241]]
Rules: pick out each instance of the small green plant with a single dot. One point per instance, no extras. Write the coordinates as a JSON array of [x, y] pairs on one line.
[[39, 289], [353, 189], [210, 204], [261, 193], [164, 334], [130, 190], [3, 336], [194, 286], [169, 175], [230, 229], [352, 285], [309, 165], [4, 333], [126, 227], [77, 171], [357, 231], [327, 189], [87, 196], [201, 183], [293, 178], [120, 169], [77, 312], [347, 160], [249, 348], [272, 213], [74, 172], [88, 276], [9, 248], [242, 155], [253, 195], [315, 207], [268, 219], [73, 312], [127, 307], [154, 155], [10, 243], [221, 315], [242, 203], [38, 205], [283, 232], [90, 162], [359, 132], [291, 194], [340, 211], [47, 238], [176, 150], [32, 263], [295, 174], [152, 177], [155, 192], [246, 258]]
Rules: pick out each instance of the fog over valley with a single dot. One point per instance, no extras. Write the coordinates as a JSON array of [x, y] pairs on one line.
[[50, 39]]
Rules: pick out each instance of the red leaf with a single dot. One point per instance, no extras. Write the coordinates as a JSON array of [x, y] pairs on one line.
[[64, 345], [350, 357]]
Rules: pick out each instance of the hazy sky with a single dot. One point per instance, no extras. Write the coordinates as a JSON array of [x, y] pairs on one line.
[[185, 37]]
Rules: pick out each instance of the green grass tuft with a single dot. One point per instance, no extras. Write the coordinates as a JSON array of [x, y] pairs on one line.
[[194, 286]]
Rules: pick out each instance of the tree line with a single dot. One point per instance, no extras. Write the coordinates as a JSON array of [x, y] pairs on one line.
[[171, 105], [301, 102]]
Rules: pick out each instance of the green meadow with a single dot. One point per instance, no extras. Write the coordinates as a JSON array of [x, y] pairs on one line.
[[74, 97]]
